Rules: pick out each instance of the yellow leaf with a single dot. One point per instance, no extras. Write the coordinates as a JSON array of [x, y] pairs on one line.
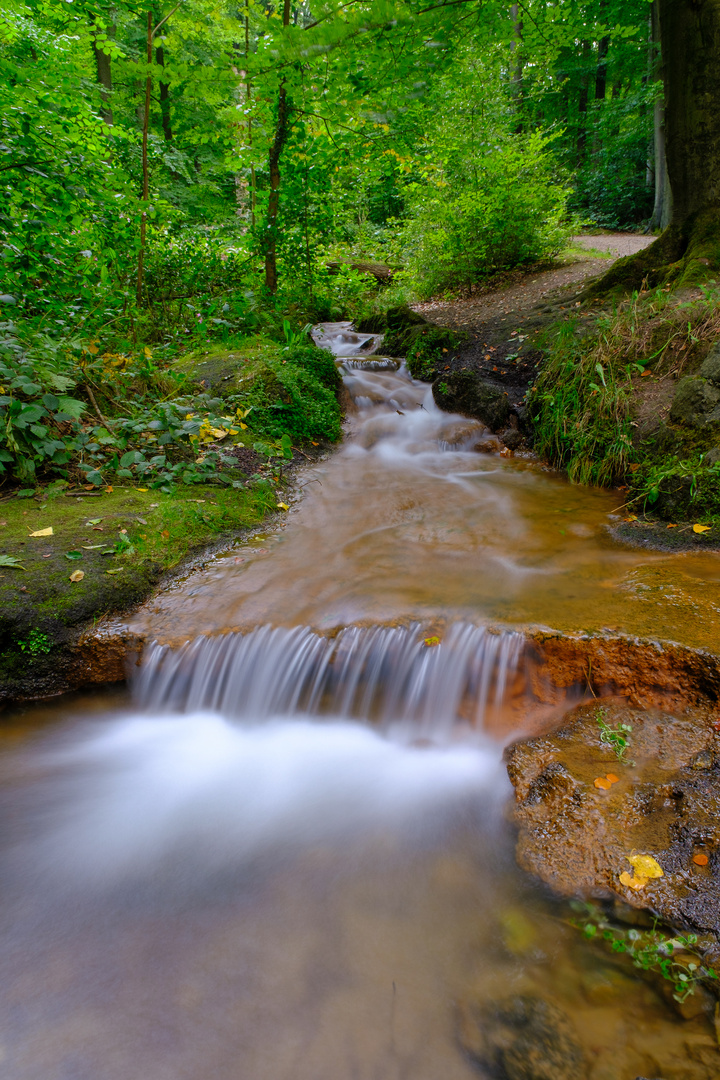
[[701, 528], [43, 532], [283, 506], [431, 642], [645, 866], [78, 575], [603, 783], [92, 349], [635, 883], [143, 489], [633, 517], [148, 352]]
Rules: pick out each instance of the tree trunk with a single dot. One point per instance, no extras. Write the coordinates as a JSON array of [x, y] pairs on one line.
[[103, 70], [689, 249], [517, 73], [281, 134], [145, 169], [164, 98], [583, 102], [601, 69]]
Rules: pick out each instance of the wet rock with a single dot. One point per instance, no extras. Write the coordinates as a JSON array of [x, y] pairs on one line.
[[663, 801], [511, 438], [467, 393], [696, 403], [712, 457], [521, 1038]]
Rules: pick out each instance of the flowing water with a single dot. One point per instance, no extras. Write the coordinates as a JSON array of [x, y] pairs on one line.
[[284, 855]]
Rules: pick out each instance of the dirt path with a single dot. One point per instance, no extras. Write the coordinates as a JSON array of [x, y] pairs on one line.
[[529, 290]]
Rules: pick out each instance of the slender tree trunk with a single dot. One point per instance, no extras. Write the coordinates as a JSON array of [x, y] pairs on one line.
[[103, 69], [517, 72], [281, 134], [601, 70], [583, 98], [164, 97], [145, 174]]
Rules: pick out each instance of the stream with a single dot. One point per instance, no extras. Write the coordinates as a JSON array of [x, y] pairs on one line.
[[282, 853]]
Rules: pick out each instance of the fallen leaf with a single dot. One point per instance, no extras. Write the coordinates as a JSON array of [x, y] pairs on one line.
[[93, 521], [672, 526], [165, 534], [603, 783], [11, 562], [283, 506], [645, 866], [108, 490], [78, 575], [118, 570], [43, 532], [314, 443], [701, 528], [700, 859], [97, 528], [612, 778], [645, 373], [47, 556], [633, 517], [91, 547], [635, 883], [431, 642], [73, 555], [123, 531], [143, 489]]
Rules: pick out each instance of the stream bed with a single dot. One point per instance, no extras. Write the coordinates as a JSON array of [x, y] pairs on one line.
[[283, 853]]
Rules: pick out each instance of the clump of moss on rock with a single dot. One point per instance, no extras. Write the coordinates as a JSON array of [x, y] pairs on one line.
[[122, 542]]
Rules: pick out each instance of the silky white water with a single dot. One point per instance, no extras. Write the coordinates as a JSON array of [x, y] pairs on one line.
[[286, 856]]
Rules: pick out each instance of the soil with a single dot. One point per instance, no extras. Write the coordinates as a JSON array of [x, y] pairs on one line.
[[505, 320]]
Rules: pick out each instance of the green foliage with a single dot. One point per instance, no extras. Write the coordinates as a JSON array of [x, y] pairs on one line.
[[512, 215], [288, 396], [581, 409], [617, 738], [427, 350], [36, 643], [673, 956]]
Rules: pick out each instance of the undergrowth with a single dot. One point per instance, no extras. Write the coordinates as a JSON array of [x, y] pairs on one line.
[[584, 401]]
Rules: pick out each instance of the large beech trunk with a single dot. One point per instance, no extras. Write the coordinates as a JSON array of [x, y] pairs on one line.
[[689, 249]]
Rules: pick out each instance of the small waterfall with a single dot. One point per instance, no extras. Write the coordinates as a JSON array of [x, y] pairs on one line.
[[388, 675]]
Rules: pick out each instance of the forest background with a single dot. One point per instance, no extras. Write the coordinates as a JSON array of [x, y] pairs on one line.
[[176, 181]]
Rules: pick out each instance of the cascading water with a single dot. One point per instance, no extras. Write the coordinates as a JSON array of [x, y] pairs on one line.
[[287, 860], [393, 676]]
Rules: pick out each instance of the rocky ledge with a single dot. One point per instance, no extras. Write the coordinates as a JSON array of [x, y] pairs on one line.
[[625, 802]]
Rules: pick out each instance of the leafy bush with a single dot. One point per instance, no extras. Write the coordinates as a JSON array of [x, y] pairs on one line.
[[513, 215], [287, 396]]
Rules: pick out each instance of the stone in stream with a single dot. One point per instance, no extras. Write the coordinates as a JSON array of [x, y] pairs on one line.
[[521, 1038], [661, 798], [468, 393]]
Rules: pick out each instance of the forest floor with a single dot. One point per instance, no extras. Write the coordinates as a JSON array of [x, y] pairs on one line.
[[588, 257]]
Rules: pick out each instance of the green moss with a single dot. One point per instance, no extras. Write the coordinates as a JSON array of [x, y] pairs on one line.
[[146, 533]]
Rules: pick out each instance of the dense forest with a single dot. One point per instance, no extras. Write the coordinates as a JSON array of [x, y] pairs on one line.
[[179, 178]]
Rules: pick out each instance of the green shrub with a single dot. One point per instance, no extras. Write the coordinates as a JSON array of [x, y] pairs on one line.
[[428, 348], [513, 215], [287, 396]]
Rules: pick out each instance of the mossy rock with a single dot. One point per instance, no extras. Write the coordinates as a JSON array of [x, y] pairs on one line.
[[696, 403], [123, 542], [395, 319], [428, 348], [293, 390], [467, 393]]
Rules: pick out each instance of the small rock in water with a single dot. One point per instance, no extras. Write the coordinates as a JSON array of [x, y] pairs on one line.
[[6, 298], [521, 1038]]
